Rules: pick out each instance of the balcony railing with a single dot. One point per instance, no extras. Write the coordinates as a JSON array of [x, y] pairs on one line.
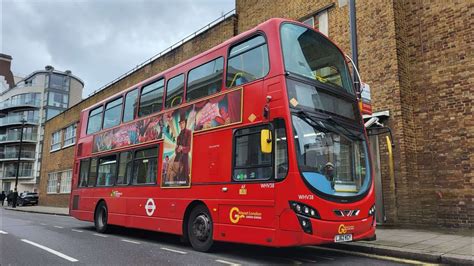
[[14, 155], [23, 174], [20, 103], [16, 119], [16, 137]]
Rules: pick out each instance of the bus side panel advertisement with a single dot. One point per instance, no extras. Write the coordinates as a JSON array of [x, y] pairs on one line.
[[218, 111], [179, 126], [141, 131]]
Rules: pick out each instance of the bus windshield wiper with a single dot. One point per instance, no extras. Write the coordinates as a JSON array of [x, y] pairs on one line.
[[314, 123], [348, 132], [311, 121]]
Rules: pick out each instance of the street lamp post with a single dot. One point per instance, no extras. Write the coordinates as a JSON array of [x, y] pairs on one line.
[[15, 192]]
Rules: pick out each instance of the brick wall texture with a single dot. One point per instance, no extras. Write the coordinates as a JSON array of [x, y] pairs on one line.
[[417, 57]]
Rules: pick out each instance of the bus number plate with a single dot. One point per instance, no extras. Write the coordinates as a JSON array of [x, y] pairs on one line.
[[343, 238]]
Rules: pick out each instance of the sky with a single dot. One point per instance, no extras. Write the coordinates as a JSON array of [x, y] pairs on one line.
[[98, 40]]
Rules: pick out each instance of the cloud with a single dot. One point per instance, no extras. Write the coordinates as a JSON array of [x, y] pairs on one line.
[[98, 40]]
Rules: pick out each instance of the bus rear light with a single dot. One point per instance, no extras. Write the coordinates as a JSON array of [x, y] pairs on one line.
[[304, 210]]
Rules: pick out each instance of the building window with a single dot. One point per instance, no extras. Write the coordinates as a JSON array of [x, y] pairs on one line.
[[319, 22], [205, 79], [145, 166], [130, 109], [56, 141], [70, 135], [59, 82], [95, 120], [151, 100], [52, 183], [66, 178], [58, 99], [113, 112], [249, 162], [52, 113], [174, 91], [247, 61]]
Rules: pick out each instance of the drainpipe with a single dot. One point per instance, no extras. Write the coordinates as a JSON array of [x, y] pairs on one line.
[[353, 28]]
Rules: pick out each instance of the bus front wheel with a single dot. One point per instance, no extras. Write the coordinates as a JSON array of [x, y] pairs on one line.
[[200, 229], [100, 218]]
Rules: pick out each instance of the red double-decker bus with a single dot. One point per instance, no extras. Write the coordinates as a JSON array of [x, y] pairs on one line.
[[259, 140]]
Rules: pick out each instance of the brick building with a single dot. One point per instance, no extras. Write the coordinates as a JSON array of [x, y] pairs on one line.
[[417, 58]]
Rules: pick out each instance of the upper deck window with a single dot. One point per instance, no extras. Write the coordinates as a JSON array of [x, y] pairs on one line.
[[247, 61], [113, 111], [130, 109], [151, 100], [95, 120], [205, 79], [174, 91]]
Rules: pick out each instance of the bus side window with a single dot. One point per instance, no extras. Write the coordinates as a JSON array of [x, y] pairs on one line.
[[125, 168], [130, 109], [92, 173], [205, 80], [247, 61], [113, 111], [281, 150], [175, 91], [107, 171], [249, 162], [145, 166], [94, 123], [151, 100], [84, 173]]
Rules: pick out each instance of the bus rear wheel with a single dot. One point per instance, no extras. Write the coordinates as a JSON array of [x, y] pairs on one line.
[[100, 218], [200, 229]]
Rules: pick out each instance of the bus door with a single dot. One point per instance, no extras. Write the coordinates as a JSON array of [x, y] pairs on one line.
[[258, 161]]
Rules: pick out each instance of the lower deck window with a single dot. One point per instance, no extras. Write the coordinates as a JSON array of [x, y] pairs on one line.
[[145, 166]]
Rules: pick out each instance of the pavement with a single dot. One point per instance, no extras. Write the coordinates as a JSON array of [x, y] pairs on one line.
[[437, 246]]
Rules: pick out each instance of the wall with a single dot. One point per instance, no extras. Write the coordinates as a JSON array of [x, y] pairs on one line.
[[63, 159]]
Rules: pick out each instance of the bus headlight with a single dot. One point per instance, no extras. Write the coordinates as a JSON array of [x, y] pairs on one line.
[[304, 210], [372, 211]]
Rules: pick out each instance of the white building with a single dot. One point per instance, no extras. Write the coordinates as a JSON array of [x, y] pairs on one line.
[[34, 99]]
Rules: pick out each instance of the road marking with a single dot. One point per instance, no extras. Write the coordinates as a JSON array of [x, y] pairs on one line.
[[228, 262], [100, 235], [43, 224], [174, 250], [408, 261], [75, 230], [130, 241], [3, 232], [57, 253], [57, 226]]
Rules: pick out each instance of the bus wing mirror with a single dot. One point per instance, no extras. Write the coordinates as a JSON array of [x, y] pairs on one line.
[[266, 141], [380, 131]]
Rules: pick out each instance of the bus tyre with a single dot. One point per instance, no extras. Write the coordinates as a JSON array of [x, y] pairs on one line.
[[100, 218], [200, 229]]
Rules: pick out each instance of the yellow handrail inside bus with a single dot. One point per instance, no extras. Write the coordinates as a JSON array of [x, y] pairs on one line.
[[175, 98], [235, 77]]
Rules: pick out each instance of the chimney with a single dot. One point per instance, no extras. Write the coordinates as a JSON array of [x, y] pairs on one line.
[[5, 64]]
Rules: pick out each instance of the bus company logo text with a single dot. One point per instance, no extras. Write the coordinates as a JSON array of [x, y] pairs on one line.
[[343, 229], [235, 215]]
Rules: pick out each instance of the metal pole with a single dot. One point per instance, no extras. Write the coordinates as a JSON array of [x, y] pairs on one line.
[[15, 193], [353, 28]]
